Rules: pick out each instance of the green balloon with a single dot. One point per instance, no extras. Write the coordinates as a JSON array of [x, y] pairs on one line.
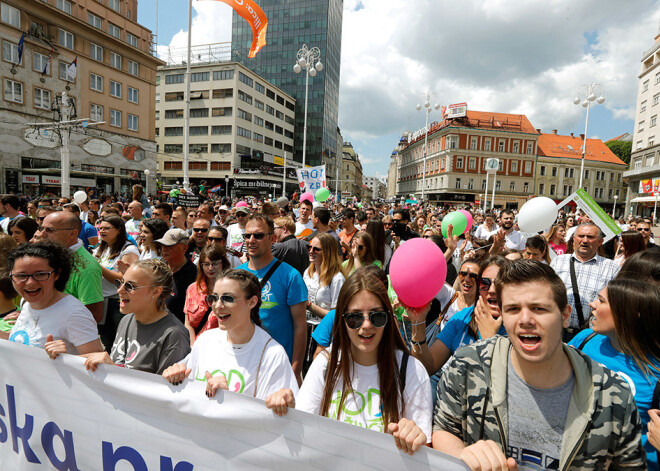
[[457, 220], [322, 194]]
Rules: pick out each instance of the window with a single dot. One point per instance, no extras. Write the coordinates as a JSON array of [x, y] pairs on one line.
[[223, 93], [173, 114], [649, 160], [542, 170], [220, 148], [217, 130], [221, 165], [259, 104], [244, 115], [226, 111], [473, 143], [472, 165], [260, 88], [94, 20], [245, 79], [196, 165], [257, 137], [566, 173], [512, 186], [530, 147], [487, 144], [133, 95], [40, 63], [10, 52], [639, 145], [541, 188], [586, 175], [245, 97], [645, 86], [132, 40], [63, 71], [198, 130], [243, 132], [651, 140], [289, 120], [459, 162], [552, 189], [133, 68], [96, 82], [609, 194], [96, 52], [554, 171], [642, 107], [95, 112], [279, 115], [174, 131], [174, 78], [451, 142], [132, 122], [42, 98], [611, 176], [259, 121], [173, 148], [65, 39], [501, 166], [173, 165], [528, 166], [115, 89], [199, 113], [115, 60], [498, 186], [654, 120], [114, 4], [115, 118], [157, 97], [458, 183], [500, 146], [199, 77], [514, 166], [270, 94], [656, 99], [114, 30], [64, 5], [270, 110], [483, 185], [279, 130], [223, 75], [526, 187], [12, 15], [640, 126]]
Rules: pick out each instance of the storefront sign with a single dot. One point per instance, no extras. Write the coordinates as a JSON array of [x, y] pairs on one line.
[[256, 184], [460, 197], [649, 185], [49, 180], [190, 201], [33, 179]]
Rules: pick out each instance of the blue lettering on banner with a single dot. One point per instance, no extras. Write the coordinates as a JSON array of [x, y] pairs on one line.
[[17, 432], [49, 432]]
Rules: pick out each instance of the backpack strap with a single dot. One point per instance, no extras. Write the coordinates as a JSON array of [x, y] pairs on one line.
[[256, 381], [403, 368], [442, 315], [270, 272], [586, 340]]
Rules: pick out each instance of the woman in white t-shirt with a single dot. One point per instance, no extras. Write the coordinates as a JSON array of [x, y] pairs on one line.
[[368, 379], [150, 230], [113, 250], [49, 318], [239, 355]]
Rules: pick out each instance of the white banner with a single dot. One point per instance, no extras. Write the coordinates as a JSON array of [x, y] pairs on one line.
[[587, 204], [313, 178], [56, 415]]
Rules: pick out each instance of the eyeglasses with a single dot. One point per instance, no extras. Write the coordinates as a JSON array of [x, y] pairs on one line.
[[397, 220], [645, 229], [225, 298], [314, 249], [354, 320], [200, 229], [278, 227], [387, 224], [427, 236], [472, 275], [485, 283], [23, 277], [216, 239], [212, 264], [256, 235], [105, 229], [128, 286]]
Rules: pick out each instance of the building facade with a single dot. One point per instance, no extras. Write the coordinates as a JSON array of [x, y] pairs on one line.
[[292, 23], [457, 152], [558, 169], [351, 173], [113, 85], [644, 172], [240, 130], [376, 188]]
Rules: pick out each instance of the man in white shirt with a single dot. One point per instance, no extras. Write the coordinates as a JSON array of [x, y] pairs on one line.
[[305, 221], [235, 232], [9, 205], [512, 238], [133, 224]]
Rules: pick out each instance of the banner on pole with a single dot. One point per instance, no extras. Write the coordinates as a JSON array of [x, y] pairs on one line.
[[587, 204], [254, 15], [56, 415], [311, 178]]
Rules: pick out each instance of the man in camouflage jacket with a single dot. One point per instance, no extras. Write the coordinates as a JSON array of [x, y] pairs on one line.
[[602, 428]]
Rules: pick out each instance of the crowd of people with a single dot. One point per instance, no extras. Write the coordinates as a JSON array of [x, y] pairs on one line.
[[540, 351]]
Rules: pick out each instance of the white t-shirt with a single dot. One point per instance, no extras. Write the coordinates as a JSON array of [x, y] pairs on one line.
[[484, 232], [212, 352], [68, 319], [147, 254], [323, 296], [515, 240], [108, 287], [235, 241], [362, 405], [443, 297], [301, 227]]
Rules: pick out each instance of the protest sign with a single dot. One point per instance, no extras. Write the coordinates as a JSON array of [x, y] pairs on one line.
[[56, 415], [189, 201], [595, 212], [311, 178]]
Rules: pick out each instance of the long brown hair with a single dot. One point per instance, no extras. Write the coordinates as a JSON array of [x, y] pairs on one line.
[[553, 232], [250, 286], [635, 304], [377, 231], [331, 263], [341, 364], [138, 191], [116, 248], [369, 254], [211, 253], [632, 242]]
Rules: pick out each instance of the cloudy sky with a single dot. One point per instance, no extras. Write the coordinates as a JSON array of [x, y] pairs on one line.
[[510, 56]]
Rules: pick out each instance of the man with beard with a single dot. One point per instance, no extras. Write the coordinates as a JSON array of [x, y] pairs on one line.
[[512, 238]]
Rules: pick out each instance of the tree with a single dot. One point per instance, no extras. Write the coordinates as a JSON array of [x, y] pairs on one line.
[[621, 149]]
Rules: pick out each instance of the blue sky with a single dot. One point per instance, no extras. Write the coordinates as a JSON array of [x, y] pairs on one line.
[[510, 56]]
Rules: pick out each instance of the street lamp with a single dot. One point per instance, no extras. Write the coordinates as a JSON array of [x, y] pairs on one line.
[[310, 60], [147, 172], [616, 197], [427, 107], [227, 187], [585, 95]]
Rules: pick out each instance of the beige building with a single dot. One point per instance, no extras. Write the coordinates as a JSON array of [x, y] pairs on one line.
[[351, 173], [241, 127], [114, 84]]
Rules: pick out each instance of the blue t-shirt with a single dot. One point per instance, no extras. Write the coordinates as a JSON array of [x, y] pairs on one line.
[[86, 232], [600, 349], [284, 288], [323, 332], [455, 333]]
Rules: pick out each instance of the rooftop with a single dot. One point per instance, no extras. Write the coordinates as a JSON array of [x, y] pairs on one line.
[[557, 145]]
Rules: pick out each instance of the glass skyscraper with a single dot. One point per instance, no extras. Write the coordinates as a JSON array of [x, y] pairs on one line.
[[292, 23]]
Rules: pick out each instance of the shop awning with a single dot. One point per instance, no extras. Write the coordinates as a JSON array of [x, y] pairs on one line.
[[644, 199]]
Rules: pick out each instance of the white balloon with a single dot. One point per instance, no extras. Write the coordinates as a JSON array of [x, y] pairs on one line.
[[80, 197], [537, 214], [316, 204]]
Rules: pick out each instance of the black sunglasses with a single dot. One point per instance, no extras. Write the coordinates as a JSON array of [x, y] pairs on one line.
[[200, 229], [354, 320], [225, 298], [314, 249], [485, 283], [256, 235], [472, 275], [128, 286], [216, 239]]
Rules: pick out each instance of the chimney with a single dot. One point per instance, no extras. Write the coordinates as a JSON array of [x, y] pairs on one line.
[[572, 135], [538, 130], [582, 136], [554, 131]]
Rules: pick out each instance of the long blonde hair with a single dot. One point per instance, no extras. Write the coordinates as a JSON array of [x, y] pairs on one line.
[[331, 263]]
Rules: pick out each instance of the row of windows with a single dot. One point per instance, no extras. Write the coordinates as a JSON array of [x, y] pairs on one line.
[[96, 84], [198, 148], [452, 142], [198, 77], [177, 165]]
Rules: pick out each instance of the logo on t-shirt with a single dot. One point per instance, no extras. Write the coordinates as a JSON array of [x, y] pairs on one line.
[[235, 380], [266, 297], [365, 411]]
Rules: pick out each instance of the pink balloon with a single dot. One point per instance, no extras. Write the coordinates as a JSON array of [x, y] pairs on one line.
[[418, 270], [241, 204], [469, 219], [307, 196]]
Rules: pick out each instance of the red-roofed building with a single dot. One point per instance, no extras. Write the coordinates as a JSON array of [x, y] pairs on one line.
[[457, 151], [558, 169]]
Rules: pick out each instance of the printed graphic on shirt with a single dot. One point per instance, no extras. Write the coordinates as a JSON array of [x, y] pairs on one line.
[[129, 354], [363, 410], [532, 460], [25, 333], [235, 379], [267, 296]]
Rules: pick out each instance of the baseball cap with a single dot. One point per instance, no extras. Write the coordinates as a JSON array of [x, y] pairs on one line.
[[282, 201], [223, 208], [173, 237], [243, 209]]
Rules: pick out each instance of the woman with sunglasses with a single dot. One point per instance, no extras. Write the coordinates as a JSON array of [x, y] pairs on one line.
[[624, 337], [149, 337], [49, 318], [114, 247], [362, 254], [479, 321], [22, 229], [239, 356], [150, 231], [368, 378], [466, 285], [212, 262]]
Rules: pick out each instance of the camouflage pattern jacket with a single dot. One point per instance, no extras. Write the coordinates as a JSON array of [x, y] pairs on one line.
[[603, 429]]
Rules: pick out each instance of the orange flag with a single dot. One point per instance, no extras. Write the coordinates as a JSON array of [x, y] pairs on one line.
[[254, 15]]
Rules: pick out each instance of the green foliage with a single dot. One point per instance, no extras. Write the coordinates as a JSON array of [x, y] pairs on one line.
[[621, 149]]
